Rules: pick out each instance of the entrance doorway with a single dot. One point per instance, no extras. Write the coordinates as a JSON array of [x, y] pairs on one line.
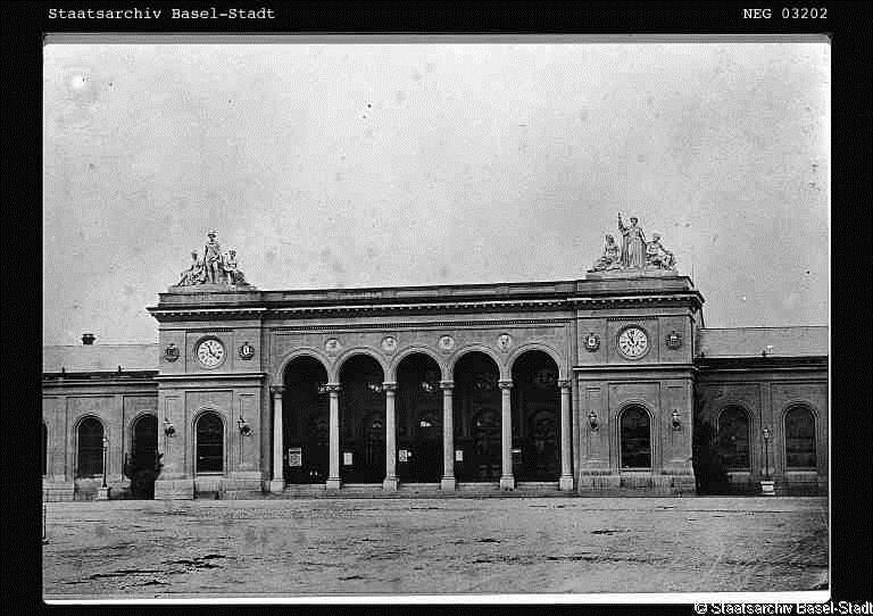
[[477, 415], [362, 421], [536, 417], [143, 459], [419, 423], [305, 422]]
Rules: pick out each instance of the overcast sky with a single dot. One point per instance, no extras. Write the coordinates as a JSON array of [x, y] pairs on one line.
[[348, 165]]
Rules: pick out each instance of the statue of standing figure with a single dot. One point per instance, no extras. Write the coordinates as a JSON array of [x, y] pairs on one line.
[[212, 259], [633, 246], [214, 268]]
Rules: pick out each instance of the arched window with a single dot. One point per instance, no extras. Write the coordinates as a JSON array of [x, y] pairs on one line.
[[733, 438], [90, 451], [800, 438], [210, 444], [636, 439], [44, 451]]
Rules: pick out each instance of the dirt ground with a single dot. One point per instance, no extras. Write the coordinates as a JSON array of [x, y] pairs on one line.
[[301, 547]]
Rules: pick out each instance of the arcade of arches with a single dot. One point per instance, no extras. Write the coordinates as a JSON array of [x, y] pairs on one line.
[[423, 428]]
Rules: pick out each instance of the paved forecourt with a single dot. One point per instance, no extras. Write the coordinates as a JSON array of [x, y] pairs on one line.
[[318, 547]]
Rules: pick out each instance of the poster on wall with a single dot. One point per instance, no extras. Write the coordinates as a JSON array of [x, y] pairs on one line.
[[347, 458], [295, 457]]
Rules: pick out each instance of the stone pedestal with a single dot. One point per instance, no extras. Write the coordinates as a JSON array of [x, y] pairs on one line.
[[390, 484], [768, 488], [333, 483], [103, 494], [277, 486], [448, 484], [565, 483], [507, 482]]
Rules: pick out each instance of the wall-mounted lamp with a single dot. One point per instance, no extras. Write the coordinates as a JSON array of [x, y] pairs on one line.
[[592, 421], [244, 428], [376, 388], [677, 422], [169, 428]]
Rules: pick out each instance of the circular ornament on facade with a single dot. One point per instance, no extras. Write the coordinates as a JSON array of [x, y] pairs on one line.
[[246, 351], [332, 346], [592, 342], [504, 341], [171, 353], [389, 344], [210, 352], [446, 343], [673, 340], [633, 342]]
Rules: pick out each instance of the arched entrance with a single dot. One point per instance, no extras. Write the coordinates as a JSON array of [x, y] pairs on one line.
[[419, 420], [536, 418], [143, 459], [362, 421], [477, 409], [305, 422]]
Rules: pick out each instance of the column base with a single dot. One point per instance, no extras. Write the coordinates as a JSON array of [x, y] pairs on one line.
[[768, 488], [507, 482], [333, 483], [103, 494], [277, 486], [565, 483], [389, 484], [447, 484]]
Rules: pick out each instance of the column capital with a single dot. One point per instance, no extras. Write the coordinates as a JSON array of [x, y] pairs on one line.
[[505, 385], [447, 385], [277, 390], [565, 383], [389, 387], [333, 388]]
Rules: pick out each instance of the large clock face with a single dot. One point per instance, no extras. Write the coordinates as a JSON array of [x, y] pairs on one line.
[[210, 353], [633, 342]]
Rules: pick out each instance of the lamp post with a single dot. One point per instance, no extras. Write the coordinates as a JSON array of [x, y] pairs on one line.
[[767, 487], [103, 492], [105, 456]]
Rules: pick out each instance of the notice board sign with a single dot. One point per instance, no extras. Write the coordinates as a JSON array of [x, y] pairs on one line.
[[295, 457]]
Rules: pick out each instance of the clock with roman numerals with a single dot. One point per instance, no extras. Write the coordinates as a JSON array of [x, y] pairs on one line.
[[210, 353], [633, 342]]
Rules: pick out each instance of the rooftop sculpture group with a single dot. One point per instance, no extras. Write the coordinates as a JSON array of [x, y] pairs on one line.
[[635, 253], [214, 268]]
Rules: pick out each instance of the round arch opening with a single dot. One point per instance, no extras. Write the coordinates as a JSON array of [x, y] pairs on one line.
[[419, 420], [536, 418], [362, 420], [477, 419], [305, 422]]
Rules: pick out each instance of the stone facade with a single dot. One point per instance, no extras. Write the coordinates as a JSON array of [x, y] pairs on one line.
[[588, 386]]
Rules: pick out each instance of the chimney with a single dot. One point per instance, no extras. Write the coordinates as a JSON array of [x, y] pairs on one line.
[[88, 339]]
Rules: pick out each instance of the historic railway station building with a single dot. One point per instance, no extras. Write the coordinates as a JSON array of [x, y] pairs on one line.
[[606, 384]]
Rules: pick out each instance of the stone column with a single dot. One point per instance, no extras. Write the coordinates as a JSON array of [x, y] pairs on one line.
[[507, 481], [566, 481], [333, 478], [390, 482], [277, 484], [448, 479]]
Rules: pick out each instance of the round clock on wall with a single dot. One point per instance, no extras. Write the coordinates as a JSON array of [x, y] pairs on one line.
[[210, 352], [633, 342]]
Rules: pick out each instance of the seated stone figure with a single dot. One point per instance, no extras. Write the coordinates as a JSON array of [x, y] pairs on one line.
[[657, 256], [233, 274], [195, 274], [611, 258]]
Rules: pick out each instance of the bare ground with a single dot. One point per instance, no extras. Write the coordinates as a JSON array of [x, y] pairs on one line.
[[301, 547]]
